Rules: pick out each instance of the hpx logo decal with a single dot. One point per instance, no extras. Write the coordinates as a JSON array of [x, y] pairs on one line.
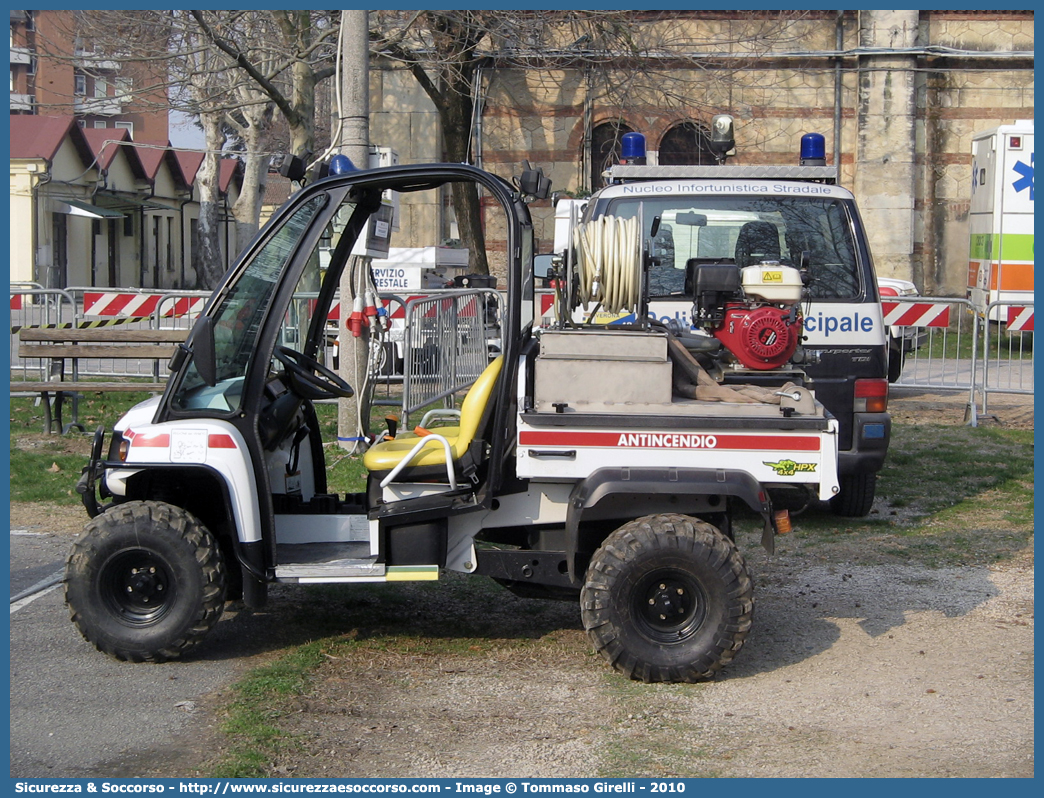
[[788, 468]]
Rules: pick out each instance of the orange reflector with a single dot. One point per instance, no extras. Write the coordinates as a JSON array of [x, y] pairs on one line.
[[782, 519]]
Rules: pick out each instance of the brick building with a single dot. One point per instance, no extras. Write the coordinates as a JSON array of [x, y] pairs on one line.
[[53, 73], [898, 95]]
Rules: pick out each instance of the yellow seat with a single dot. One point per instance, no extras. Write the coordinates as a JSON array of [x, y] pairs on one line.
[[385, 456]]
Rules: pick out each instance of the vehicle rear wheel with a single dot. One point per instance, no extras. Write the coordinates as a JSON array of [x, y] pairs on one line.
[[895, 363], [145, 582], [667, 599], [856, 496]]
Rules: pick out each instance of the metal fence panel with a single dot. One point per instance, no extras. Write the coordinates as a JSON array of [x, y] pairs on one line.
[[939, 336], [448, 340], [36, 307], [1007, 349]]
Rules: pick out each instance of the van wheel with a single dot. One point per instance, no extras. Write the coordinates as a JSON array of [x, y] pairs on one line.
[[896, 360], [145, 582], [856, 496], [667, 599]]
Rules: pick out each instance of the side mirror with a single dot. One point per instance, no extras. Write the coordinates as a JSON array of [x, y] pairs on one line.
[[201, 345], [542, 266], [533, 182]]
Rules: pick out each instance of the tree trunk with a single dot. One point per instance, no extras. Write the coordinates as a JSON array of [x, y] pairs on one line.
[[247, 208], [207, 260], [456, 133], [302, 93]]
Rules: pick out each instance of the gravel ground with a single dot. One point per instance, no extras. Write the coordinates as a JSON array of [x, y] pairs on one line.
[[877, 671]]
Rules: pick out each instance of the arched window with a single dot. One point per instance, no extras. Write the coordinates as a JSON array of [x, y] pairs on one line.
[[605, 150], [686, 143]]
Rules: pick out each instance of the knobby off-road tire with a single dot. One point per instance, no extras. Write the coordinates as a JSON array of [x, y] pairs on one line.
[[667, 599], [856, 496], [145, 582]]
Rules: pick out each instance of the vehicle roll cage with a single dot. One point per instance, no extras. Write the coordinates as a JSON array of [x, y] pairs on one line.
[[364, 187]]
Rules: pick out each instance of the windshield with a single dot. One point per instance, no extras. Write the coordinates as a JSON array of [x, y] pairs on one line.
[[796, 231], [239, 314]]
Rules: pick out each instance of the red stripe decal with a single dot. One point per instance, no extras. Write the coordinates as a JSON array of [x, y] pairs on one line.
[[670, 440], [154, 442], [220, 441]]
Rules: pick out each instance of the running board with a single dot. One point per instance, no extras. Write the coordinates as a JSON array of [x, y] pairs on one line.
[[343, 571], [318, 563], [334, 571]]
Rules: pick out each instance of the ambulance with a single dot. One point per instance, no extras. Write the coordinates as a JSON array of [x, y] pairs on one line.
[[1000, 267]]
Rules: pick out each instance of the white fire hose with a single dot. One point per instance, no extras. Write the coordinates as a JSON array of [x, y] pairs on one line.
[[609, 262]]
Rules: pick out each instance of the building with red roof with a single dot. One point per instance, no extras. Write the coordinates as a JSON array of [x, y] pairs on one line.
[[92, 207]]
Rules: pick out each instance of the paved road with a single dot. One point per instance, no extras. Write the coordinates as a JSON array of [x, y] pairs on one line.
[[77, 713], [920, 369]]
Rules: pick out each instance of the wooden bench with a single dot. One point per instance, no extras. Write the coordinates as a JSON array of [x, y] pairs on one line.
[[62, 346]]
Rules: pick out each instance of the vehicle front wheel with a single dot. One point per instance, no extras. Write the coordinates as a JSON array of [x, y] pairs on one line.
[[145, 582], [667, 599]]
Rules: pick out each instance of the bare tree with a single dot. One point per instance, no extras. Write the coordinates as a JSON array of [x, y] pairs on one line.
[[441, 50], [229, 69], [285, 54], [631, 59]]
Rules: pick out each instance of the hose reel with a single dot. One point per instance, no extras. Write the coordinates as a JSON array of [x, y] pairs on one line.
[[609, 263]]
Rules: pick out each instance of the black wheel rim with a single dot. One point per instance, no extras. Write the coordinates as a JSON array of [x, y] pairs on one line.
[[669, 606], [138, 587]]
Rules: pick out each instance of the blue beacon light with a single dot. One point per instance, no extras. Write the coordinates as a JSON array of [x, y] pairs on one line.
[[341, 165], [813, 150], [632, 149]]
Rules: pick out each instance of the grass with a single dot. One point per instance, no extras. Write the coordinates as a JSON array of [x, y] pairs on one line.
[[252, 716], [46, 467], [948, 496], [956, 342]]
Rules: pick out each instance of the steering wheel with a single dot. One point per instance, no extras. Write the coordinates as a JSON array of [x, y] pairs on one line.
[[310, 379]]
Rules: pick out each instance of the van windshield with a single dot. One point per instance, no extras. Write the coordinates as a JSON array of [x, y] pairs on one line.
[[813, 231]]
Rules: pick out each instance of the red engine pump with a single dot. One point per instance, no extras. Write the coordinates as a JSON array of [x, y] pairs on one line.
[[753, 312], [760, 337]]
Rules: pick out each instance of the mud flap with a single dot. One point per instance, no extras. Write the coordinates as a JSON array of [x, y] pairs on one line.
[[664, 481], [85, 486]]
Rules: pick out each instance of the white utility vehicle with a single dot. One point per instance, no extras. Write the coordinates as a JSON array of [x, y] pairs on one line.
[[591, 462]]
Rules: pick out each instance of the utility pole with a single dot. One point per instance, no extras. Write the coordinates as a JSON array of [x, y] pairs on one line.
[[355, 143]]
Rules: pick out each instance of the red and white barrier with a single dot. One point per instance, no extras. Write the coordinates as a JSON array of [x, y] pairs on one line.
[[1020, 319], [113, 304], [915, 314]]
